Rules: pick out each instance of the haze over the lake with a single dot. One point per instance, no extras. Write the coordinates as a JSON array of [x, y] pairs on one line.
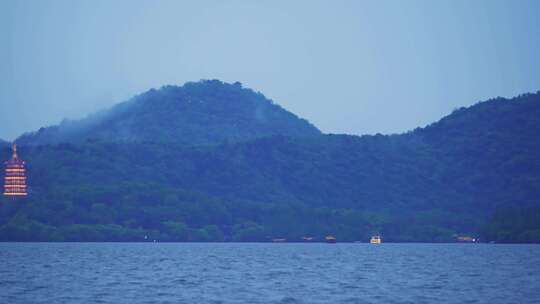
[[353, 67]]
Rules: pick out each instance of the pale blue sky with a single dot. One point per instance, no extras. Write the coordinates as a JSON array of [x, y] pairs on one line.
[[357, 67]]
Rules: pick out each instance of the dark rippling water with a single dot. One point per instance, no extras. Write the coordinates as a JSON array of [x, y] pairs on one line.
[[268, 273]]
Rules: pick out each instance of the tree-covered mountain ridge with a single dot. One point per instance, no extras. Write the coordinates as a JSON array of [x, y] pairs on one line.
[[453, 177], [197, 113]]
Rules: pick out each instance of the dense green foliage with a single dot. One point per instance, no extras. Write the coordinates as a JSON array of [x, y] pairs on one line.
[[205, 112], [514, 225], [427, 185]]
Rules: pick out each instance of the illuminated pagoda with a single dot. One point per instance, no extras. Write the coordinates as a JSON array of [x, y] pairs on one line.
[[15, 179]]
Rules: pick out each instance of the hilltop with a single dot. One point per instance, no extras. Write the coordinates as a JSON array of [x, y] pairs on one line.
[[197, 113], [455, 176]]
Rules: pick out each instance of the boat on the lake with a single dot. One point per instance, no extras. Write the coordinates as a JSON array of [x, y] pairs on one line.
[[330, 239], [465, 239], [307, 239], [376, 239]]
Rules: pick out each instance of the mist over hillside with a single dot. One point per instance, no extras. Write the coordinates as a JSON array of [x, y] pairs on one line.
[[211, 161], [197, 113]]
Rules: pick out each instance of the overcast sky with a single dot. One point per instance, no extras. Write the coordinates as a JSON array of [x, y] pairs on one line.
[[358, 67]]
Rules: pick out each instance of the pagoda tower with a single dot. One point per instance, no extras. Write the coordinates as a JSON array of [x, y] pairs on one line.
[[15, 178]]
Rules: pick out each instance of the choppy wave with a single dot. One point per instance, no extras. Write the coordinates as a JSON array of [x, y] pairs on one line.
[[268, 273]]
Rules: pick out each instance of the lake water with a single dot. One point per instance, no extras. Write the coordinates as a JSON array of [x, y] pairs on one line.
[[268, 273]]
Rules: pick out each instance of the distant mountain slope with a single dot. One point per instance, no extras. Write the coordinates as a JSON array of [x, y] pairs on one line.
[[494, 149], [345, 185], [426, 185], [201, 113]]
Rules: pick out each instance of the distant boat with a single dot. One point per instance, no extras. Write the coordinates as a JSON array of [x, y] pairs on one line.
[[279, 240], [330, 239], [307, 239], [466, 239], [376, 239]]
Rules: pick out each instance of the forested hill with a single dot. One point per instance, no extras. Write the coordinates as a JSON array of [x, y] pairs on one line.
[[197, 113], [456, 176], [486, 124], [496, 143]]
